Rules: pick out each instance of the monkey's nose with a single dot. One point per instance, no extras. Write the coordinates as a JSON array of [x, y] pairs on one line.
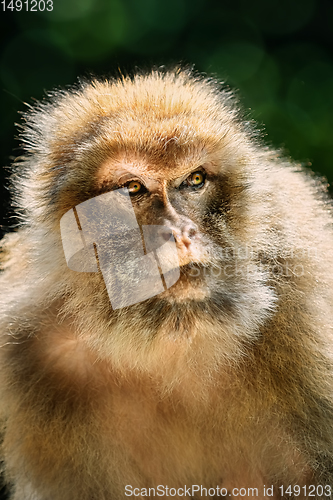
[[185, 235]]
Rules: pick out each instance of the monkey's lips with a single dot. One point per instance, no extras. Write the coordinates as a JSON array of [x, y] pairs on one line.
[[191, 257], [193, 268]]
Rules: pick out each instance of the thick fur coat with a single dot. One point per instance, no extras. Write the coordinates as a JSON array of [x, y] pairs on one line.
[[224, 380]]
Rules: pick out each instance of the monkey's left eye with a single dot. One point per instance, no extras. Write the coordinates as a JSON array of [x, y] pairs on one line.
[[196, 179], [134, 187]]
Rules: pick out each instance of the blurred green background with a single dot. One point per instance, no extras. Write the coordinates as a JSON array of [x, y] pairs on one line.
[[276, 53]]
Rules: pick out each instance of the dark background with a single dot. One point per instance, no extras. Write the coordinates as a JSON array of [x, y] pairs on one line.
[[276, 53]]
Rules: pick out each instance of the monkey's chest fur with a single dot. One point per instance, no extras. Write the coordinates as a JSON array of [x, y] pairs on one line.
[[179, 418]]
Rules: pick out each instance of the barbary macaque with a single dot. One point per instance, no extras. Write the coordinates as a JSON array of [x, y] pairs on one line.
[[166, 303]]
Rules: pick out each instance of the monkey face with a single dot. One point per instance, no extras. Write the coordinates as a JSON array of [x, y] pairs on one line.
[[136, 233], [164, 245], [177, 202], [151, 235]]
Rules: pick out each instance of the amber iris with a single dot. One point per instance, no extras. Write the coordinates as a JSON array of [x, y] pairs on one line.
[[134, 187], [197, 178]]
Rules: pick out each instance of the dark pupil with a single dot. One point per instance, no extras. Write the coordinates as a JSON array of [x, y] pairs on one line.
[[134, 187], [197, 179]]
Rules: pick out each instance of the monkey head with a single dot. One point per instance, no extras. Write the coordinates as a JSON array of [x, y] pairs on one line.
[[152, 185]]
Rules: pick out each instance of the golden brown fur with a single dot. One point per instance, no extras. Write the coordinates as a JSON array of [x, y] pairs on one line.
[[223, 380]]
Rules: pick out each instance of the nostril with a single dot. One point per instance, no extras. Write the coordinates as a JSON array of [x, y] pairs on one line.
[[182, 235], [191, 232], [188, 234]]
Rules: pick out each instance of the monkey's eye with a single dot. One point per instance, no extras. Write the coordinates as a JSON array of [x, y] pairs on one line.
[[134, 187], [195, 180]]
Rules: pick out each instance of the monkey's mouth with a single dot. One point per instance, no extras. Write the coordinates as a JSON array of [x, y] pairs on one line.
[[192, 284], [194, 269]]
